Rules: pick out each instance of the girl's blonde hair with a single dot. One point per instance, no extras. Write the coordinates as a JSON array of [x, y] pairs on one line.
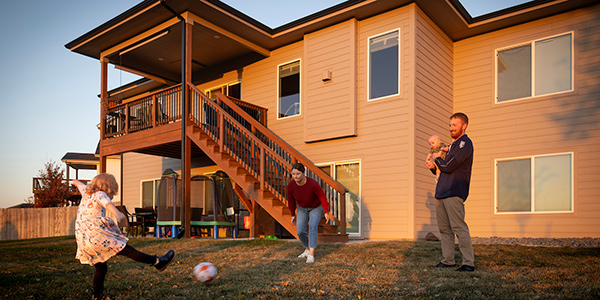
[[103, 182]]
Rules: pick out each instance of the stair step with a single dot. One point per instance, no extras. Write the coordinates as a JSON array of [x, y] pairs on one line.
[[328, 229], [332, 238]]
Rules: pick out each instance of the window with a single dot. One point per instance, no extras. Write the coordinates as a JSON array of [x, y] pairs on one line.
[[535, 184], [289, 90], [384, 65], [348, 174], [149, 192], [232, 90], [537, 68]]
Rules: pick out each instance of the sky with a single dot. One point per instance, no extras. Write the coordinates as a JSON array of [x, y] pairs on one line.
[[48, 94]]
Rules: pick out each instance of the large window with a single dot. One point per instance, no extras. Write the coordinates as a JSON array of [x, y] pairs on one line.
[[149, 192], [536, 68], [535, 184], [348, 174], [288, 102], [384, 67]]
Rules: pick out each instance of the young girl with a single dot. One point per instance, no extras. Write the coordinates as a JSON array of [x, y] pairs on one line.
[[98, 237]]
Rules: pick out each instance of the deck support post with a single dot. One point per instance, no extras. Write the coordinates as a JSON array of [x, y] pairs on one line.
[[103, 109], [186, 143]]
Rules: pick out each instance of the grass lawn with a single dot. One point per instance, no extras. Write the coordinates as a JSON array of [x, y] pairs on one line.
[[268, 269]]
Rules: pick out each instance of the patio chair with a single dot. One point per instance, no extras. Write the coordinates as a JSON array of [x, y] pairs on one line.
[[147, 216], [133, 227]]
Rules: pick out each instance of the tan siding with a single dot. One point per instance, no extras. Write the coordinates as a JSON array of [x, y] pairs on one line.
[[113, 166], [138, 167], [565, 122], [381, 141], [330, 107], [141, 167], [433, 106]]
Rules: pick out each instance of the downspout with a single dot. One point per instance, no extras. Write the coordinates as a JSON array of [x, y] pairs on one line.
[[183, 106]]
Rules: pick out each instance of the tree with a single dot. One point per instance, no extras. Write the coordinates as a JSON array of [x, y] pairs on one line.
[[54, 192]]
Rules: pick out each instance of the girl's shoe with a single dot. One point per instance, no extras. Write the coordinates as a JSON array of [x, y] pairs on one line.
[[310, 259], [165, 260]]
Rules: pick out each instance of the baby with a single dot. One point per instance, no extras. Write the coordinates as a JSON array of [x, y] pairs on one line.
[[437, 145]]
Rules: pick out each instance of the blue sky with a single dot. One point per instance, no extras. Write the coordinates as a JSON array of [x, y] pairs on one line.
[[48, 94]]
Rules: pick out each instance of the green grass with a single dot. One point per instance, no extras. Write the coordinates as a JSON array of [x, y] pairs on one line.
[[268, 269]]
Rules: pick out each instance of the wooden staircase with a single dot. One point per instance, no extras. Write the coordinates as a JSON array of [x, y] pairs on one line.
[[249, 184], [258, 161]]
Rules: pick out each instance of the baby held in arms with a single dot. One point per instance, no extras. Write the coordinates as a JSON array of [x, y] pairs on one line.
[[437, 145]]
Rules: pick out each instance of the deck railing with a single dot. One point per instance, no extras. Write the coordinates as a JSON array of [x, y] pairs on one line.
[[159, 108], [260, 151]]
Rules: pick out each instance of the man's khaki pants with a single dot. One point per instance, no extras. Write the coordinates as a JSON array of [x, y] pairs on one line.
[[451, 221]]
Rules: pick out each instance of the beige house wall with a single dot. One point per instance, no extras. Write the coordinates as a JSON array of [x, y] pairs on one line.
[[389, 136], [139, 167], [113, 166], [433, 106], [330, 106], [564, 122], [383, 137]]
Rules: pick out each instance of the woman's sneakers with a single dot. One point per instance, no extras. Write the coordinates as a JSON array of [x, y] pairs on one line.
[[304, 254], [309, 258], [165, 260]]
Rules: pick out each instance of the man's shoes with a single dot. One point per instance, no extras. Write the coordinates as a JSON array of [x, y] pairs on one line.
[[165, 260], [443, 265], [465, 268]]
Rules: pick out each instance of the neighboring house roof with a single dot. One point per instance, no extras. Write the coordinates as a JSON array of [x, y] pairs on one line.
[[81, 161]]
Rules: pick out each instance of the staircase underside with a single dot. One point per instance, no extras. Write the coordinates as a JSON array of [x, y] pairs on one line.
[[166, 141]]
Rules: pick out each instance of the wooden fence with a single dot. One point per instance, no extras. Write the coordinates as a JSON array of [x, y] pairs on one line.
[[30, 223]]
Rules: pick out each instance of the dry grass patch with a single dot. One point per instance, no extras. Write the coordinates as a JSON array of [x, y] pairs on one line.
[[270, 269]]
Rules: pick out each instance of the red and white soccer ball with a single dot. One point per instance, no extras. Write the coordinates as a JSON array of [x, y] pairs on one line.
[[205, 272]]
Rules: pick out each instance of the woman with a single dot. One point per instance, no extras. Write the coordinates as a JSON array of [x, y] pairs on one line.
[[305, 195]]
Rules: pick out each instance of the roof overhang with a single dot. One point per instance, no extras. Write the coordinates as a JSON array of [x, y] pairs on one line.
[[456, 22], [81, 161], [146, 39]]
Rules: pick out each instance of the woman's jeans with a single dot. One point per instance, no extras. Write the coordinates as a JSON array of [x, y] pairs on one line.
[[310, 216]]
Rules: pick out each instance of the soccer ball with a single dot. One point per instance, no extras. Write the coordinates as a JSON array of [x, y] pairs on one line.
[[205, 272]]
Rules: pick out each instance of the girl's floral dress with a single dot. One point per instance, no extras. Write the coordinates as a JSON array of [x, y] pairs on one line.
[[98, 237]]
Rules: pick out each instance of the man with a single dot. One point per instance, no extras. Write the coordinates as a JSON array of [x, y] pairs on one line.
[[451, 192]]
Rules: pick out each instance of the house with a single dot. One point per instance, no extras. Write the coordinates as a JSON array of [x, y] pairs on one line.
[[354, 92]]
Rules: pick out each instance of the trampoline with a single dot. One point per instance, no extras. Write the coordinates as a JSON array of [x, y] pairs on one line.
[[211, 194]]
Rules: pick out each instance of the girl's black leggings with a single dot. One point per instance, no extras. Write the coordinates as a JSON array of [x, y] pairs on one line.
[[102, 268]]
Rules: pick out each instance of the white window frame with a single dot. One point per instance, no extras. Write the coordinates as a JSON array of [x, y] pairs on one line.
[[155, 183], [332, 165], [299, 92], [532, 43], [532, 185], [369, 64], [226, 85]]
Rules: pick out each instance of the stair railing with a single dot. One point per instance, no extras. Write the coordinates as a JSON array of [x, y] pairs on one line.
[[260, 151]]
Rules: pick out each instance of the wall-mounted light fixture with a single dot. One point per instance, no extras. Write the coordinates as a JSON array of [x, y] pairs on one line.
[[326, 75]]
